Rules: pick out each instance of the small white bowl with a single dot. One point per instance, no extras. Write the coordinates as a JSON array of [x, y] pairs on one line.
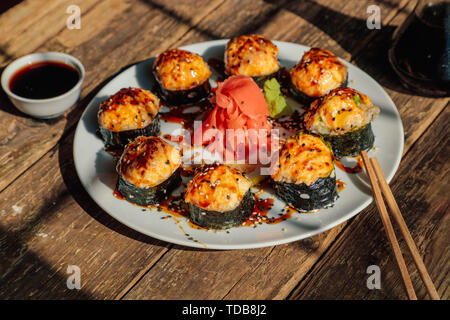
[[43, 108]]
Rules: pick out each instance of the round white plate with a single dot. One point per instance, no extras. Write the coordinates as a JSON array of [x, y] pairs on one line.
[[96, 169]]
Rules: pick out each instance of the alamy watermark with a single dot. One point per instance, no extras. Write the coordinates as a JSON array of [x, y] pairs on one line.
[[74, 20], [74, 278], [374, 280], [374, 19]]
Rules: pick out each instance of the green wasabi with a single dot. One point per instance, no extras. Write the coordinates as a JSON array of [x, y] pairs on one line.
[[276, 103]]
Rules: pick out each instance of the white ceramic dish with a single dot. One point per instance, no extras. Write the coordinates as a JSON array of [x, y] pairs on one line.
[[96, 170], [44, 108]]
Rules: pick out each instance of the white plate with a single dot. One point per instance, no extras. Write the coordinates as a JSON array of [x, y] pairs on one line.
[[96, 170]]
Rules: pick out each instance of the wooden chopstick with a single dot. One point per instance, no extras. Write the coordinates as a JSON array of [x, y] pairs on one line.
[[388, 227], [395, 210]]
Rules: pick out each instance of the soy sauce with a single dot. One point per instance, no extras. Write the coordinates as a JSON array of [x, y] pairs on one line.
[[420, 53], [44, 80]]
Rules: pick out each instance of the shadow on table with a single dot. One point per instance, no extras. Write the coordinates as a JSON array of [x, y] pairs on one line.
[[5, 5], [14, 244]]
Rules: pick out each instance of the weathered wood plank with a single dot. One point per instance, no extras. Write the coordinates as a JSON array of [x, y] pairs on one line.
[[22, 16], [421, 189], [283, 268], [196, 274], [93, 22], [42, 20]]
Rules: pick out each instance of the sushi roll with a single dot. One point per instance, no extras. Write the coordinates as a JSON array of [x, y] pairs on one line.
[[182, 76], [130, 113], [253, 56], [317, 73], [149, 169], [343, 118], [304, 176], [219, 197]]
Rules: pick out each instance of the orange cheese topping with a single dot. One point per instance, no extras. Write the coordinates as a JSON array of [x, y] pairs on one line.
[[148, 161], [341, 111], [177, 69], [303, 159], [318, 72], [251, 56], [217, 188], [128, 109]]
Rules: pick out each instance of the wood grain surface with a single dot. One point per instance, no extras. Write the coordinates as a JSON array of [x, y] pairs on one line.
[[48, 222]]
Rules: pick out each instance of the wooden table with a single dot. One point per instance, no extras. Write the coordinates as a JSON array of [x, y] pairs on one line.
[[48, 222]]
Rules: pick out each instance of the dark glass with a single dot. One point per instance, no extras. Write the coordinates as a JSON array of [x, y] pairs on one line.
[[420, 52], [42, 80]]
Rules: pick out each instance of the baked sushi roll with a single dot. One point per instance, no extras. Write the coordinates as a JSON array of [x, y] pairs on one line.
[[343, 118], [304, 176], [253, 56], [219, 197], [129, 113], [317, 73], [182, 76], [149, 169]]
